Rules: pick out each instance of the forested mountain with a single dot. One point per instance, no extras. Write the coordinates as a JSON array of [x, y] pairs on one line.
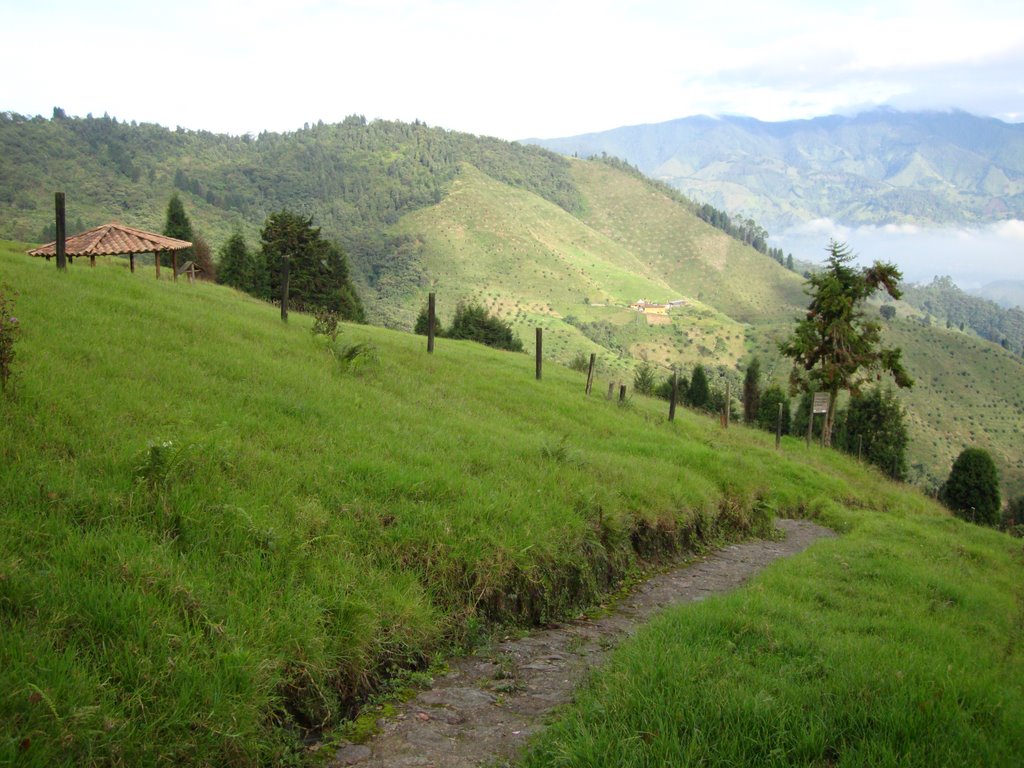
[[878, 167], [354, 178], [944, 301], [1006, 293]]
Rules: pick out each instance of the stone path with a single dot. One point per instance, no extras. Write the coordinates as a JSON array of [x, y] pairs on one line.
[[483, 711]]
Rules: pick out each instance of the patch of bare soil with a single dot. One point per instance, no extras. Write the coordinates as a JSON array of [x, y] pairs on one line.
[[483, 711]]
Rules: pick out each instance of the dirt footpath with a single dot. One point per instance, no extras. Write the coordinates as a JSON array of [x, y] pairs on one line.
[[483, 711]]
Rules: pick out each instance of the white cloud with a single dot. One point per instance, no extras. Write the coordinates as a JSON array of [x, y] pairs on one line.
[[972, 256]]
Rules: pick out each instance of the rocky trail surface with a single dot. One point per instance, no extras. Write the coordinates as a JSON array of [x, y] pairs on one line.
[[483, 711]]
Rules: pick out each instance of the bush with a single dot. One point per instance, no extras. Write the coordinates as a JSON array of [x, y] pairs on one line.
[[420, 328], [472, 322], [643, 379], [768, 413], [875, 422], [580, 362], [972, 489], [1013, 517], [9, 329]]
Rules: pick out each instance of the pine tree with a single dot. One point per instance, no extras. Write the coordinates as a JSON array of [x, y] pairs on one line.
[[235, 267], [835, 345], [177, 225], [972, 489], [752, 391], [700, 392], [318, 269], [875, 424]]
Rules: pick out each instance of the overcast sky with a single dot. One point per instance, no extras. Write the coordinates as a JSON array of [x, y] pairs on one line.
[[514, 70]]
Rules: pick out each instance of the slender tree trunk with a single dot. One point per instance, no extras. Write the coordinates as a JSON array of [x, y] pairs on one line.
[[830, 417]]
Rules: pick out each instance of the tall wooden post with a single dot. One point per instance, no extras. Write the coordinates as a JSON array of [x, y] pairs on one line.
[[58, 204], [622, 393], [285, 270], [540, 348], [860, 447], [675, 395], [611, 390], [778, 428], [174, 264], [810, 420], [728, 406], [131, 262], [590, 372], [92, 259], [156, 260], [431, 321]]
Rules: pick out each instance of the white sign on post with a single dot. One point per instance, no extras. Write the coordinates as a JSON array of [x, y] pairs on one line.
[[820, 402]]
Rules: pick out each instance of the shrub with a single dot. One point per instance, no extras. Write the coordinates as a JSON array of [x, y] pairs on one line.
[[643, 378], [769, 410], [9, 329], [326, 323], [972, 489], [473, 322], [1013, 517], [420, 328], [580, 362]]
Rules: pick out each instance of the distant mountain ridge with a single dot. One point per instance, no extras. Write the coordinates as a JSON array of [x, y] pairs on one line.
[[878, 167]]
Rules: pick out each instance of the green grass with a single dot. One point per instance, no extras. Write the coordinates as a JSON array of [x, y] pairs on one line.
[[967, 393], [899, 644], [310, 529]]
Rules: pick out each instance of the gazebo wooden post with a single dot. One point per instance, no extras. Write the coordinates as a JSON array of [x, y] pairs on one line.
[[58, 204], [174, 264], [156, 260], [92, 259], [131, 262]]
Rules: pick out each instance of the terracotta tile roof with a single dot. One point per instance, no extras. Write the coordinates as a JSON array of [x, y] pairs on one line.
[[113, 240]]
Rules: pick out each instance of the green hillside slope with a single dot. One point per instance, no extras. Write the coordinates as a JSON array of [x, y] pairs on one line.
[[967, 392], [216, 535], [675, 246]]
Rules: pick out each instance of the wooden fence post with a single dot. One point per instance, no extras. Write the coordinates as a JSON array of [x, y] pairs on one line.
[[540, 346], [58, 204], [810, 420], [860, 447], [430, 323], [675, 395], [778, 428], [622, 393], [285, 279], [611, 390], [728, 406], [590, 372]]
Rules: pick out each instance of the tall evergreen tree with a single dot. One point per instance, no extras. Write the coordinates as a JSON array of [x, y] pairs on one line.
[[177, 224], [318, 269], [875, 422], [752, 391], [835, 345], [235, 267], [700, 392], [972, 489]]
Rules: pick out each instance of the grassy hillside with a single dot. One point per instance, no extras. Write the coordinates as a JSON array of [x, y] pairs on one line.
[[898, 644], [693, 257], [967, 393], [536, 265], [216, 535]]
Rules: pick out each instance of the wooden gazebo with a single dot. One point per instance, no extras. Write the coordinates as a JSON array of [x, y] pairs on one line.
[[117, 240]]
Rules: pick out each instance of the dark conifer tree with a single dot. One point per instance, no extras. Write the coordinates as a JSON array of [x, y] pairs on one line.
[[177, 225]]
